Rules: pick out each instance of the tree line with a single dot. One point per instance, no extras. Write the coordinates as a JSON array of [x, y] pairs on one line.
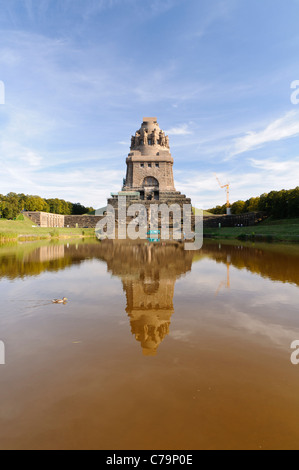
[[12, 204], [277, 204]]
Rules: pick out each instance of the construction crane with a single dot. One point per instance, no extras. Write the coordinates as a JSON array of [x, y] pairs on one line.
[[226, 186]]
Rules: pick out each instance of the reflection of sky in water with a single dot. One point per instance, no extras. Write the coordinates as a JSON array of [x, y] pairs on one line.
[[214, 296], [220, 337], [251, 303], [86, 284]]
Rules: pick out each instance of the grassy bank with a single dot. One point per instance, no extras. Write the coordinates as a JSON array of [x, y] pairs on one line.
[[23, 230], [286, 230]]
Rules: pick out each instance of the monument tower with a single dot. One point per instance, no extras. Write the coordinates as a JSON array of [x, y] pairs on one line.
[[149, 164], [149, 178]]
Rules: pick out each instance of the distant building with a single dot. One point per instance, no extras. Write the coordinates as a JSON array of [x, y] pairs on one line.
[[45, 219]]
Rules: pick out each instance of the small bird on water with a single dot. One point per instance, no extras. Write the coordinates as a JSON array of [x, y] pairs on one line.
[[60, 301]]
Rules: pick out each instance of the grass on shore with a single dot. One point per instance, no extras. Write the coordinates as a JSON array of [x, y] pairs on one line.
[[269, 230], [25, 230], [201, 211]]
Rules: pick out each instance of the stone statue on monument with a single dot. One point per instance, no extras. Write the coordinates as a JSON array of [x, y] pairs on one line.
[[162, 139], [132, 142], [145, 139], [137, 139]]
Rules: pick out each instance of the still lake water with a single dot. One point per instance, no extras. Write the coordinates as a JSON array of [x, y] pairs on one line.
[[157, 348]]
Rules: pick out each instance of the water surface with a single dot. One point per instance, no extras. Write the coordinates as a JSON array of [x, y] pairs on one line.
[[157, 348]]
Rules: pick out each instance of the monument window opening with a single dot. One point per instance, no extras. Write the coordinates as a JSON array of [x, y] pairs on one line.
[[149, 165], [151, 182], [157, 165], [149, 141], [151, 286], [142, 165]]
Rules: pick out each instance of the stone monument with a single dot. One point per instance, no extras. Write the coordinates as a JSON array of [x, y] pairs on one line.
[[149, 178]]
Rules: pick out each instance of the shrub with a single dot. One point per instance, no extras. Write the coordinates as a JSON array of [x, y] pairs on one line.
[[54, 233], [242, 236]]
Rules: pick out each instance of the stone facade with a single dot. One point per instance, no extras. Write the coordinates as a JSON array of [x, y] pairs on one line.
[[81, 221], [149, 179], [47, 220], [44, 219], [149, 163], [245, 220]]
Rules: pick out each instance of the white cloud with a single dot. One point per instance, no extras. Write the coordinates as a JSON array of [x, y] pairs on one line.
[[280, 335], [180, 130], [260, 177], [275, 166], [24, 124], [221, 11], [282, 128], [32, 158], [89, 187], [9, 57]]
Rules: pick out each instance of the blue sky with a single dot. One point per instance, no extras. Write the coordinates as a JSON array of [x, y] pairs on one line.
[[79, 76]]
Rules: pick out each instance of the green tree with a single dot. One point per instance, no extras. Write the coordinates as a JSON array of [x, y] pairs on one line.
[[36, 204], [277, 204], [238, 207], [252, 205]]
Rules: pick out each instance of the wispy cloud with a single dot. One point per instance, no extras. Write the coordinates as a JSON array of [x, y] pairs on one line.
[[282, 128], [220, 11], [274, 165], [180, 130], [91, 185], [261, 176]]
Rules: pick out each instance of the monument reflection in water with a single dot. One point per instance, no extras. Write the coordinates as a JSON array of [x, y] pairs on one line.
[[76, 378], [148, 273]]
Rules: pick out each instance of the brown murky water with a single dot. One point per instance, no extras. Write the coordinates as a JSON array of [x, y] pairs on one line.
[[157, 348]]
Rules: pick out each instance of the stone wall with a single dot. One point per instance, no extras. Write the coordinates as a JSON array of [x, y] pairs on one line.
[[82, 221], [137, 171], [244, 220], [45, 219]]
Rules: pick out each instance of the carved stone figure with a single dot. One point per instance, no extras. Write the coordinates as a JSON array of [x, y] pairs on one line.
[[145, 139], [162, 139], [137, 139], [132, 142], [155, 137], [167, 141]]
